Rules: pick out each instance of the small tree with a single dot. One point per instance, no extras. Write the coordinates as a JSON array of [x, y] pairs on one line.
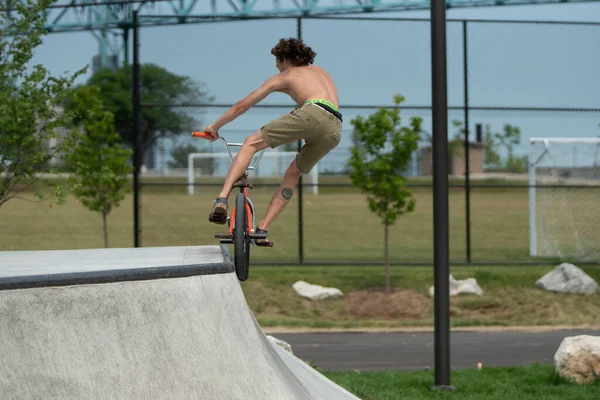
[[380, 154], [510, 137], [99, 163], [30, 100], [491, 158]]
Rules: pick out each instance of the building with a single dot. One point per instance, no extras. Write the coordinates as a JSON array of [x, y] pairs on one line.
[[456, 160]]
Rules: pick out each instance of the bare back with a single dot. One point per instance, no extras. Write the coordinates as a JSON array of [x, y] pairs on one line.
[[309, 82]]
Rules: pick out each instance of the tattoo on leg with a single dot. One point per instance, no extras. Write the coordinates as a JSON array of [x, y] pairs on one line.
[[286, 193]]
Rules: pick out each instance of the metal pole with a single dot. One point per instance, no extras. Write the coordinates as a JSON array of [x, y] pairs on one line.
[[532, 228], [125, 47], [467, 168], [300, 186], [136, 131], [440, 195]]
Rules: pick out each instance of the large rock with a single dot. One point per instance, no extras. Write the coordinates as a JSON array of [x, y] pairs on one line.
[[315, 292], [466, 286], [578, 358], [567, 278]]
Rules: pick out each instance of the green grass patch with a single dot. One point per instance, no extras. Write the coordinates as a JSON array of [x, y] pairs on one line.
[[513, 383], [337, 224]]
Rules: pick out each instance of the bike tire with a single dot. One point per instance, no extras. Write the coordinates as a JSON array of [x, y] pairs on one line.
[[240, 238]]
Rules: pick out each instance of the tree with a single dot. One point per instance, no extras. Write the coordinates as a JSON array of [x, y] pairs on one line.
[[99, 163], [378, 158], [491, 158], [29, 101], [510, 137], [157, 85]]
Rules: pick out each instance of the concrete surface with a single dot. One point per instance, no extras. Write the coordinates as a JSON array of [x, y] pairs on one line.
[[191, 337]]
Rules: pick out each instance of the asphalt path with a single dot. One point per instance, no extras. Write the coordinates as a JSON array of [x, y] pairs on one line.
[[378, 351]]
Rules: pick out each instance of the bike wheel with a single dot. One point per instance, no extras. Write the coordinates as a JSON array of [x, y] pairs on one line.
[[241, 240]]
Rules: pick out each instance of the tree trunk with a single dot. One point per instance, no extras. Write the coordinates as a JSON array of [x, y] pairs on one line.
[[105, 227], [386, 257]]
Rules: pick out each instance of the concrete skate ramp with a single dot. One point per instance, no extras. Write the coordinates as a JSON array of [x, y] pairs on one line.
[[148, 323]]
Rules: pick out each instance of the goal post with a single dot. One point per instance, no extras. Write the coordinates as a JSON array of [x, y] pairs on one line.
[[564, 193], [271, 164]]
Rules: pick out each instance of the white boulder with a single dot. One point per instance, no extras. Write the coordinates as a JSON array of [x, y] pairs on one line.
[[316, 292], [578, 359], [465, 286]]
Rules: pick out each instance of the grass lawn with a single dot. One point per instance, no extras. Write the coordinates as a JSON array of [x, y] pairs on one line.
[[535, 382], [338, 225]]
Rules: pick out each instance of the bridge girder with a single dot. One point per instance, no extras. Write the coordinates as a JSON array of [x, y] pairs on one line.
[[76, 15]]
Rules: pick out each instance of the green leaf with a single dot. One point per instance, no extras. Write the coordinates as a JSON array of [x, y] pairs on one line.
[[30, 100], [381, 151], [99, 163]]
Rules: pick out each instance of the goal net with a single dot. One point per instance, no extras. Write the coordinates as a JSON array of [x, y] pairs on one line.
[[564, 198], [270, 165]]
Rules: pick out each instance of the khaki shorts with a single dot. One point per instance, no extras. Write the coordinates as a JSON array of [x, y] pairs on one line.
[[320, 129]]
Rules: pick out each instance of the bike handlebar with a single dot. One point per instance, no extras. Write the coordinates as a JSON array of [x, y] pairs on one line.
[[208, 136]]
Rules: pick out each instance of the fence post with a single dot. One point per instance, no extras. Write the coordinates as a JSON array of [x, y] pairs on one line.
[[300, 183], [136, 128], [439, 88], [467, 147]]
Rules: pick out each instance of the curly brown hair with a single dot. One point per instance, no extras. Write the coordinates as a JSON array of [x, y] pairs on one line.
[[295, 51]]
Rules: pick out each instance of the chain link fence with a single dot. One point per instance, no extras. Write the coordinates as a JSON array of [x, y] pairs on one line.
[[508, 82]]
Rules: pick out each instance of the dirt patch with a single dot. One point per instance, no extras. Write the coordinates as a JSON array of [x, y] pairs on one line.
[[376, 303]]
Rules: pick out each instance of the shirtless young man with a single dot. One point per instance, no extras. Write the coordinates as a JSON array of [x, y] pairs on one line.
[[316, 120]]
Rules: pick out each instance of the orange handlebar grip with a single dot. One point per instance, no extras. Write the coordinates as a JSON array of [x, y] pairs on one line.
[[203, 135]]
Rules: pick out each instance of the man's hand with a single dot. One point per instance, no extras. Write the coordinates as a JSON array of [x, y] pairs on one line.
[[213, 132]]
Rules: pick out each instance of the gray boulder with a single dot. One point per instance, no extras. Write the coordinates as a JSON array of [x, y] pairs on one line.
[[567, 278]]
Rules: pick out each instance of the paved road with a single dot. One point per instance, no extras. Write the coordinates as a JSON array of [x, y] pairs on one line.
[[415, 351]]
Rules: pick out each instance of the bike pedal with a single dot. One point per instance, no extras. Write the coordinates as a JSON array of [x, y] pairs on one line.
[[263, 244], [258, 236], [219, 235], [226, 241]]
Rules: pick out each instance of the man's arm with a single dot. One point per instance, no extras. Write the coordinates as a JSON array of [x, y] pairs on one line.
[[273, 84]]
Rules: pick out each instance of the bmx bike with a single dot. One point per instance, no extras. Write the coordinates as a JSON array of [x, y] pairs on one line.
[[242, 232]]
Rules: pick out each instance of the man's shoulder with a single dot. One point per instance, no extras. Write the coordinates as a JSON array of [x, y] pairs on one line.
[[305, 70]]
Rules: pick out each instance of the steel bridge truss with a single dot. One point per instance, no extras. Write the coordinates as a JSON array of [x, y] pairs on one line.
[[74, 15]]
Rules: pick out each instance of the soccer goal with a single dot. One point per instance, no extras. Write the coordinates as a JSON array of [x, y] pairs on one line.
[[564, 198], [272, 164]]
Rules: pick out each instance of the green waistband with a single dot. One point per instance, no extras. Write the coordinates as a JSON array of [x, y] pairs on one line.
[[322, 101]]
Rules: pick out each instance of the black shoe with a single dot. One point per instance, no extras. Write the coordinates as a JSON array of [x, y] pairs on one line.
[[219, 211], [262, 242]]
